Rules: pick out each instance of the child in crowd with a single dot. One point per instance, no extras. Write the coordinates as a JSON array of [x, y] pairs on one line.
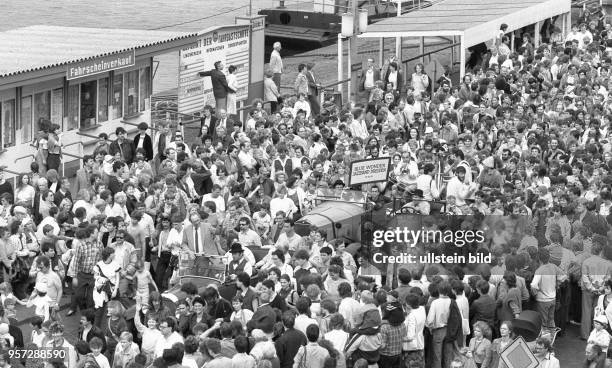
[[143, 279], [6, 291], [96, 351], [40, 300], [38, 335]]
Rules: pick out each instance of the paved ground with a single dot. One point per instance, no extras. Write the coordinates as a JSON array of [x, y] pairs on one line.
[[569, 348]]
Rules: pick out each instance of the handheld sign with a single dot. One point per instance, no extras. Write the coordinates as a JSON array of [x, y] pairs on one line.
[[519, 355], [372, 170]]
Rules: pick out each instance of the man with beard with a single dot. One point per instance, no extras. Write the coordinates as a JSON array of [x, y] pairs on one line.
[[460, 188]]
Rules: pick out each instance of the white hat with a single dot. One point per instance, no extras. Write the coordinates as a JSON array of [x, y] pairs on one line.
[[20, 209], [428, 130], [489, 162], [41, 287], [601, 319]]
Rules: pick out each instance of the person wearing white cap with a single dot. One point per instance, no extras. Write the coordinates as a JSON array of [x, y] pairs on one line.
[[40, 300], [490, 177], [599, 335]]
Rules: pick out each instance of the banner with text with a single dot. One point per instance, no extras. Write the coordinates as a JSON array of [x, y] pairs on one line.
[[369, 171], [229, 45]]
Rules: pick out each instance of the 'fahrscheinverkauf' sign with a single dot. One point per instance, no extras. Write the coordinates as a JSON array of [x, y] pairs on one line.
[[101, 65]]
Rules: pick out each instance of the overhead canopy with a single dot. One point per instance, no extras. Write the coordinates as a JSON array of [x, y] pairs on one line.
[[477, 20]]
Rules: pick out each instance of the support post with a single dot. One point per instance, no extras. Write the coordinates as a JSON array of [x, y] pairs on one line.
[[512, 41], [348, 68], [564, 25], [422, 49], [536, 34], [452, 55], [340, 61], [398, 40], [461, 58], [381, 52], [568, 23], [353, 50]]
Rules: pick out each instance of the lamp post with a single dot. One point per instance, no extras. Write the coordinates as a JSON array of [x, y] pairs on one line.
[[352, 26]]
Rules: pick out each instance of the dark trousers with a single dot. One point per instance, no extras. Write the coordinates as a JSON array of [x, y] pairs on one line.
[[564, 298], [389, 361], [83, 295], [575, 301], [315, 108], [163, 272]]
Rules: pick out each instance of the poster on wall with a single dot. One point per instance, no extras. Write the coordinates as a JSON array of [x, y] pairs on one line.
[[229, 45]]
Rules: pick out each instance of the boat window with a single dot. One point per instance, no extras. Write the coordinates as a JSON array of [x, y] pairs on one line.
[[102, 100], [26, 119], [8, 123], [88, 101]]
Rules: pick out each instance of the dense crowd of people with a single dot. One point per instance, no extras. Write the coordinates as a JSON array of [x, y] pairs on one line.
[[522, 147]]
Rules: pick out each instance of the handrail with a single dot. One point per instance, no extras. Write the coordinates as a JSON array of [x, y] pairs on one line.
[[336, 83], [72, 144], [179, 113], [88, 135], [4, 168], [431, 52], [136, 124], [26, 156], [72, 155]]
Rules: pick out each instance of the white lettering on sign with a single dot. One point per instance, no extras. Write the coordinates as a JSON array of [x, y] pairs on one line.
[[101, 65]]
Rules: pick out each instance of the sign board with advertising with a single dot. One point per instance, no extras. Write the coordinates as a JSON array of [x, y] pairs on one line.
[[519, 355], [101, 65], [369, 171], [230, 45]]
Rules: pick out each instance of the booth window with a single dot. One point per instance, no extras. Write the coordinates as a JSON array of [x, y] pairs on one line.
[[8, 123], [88, 101], [117, 97], [26, 119], [145, 88], [57, 106], [42, 107], [131, 93], [102, 100], [73, 107]]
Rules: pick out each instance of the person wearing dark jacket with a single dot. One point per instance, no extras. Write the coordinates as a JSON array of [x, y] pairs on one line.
[[289, 342], [143, 140], [88, 330], [124, 146], [265, 316], [483, 308], [219, 84]]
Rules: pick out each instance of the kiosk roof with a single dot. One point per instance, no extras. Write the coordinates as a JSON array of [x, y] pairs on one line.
[[39, 47], [477, 20]]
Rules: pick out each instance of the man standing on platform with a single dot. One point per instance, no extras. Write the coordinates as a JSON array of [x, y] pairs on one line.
[[276, 64], [219, 84], [313, 89]]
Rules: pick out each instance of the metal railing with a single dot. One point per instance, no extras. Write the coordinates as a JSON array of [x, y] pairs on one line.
[[22, 157]]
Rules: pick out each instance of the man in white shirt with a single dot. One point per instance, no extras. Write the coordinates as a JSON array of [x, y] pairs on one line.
[[169, 336], [216, 197], [459, 188], [282, 203], [349, 308], [245, 156], [247, 236], [288, 238], [276, 64], [302, 321]]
